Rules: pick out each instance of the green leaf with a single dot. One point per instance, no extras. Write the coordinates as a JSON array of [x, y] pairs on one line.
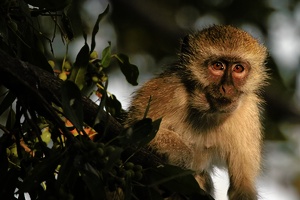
[[80, 67], [130, 71], [7, 102], [106, 56], [53, 5], [96, 27], [72, 104]]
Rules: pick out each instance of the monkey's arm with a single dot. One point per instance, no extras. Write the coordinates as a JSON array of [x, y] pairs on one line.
[[243, 168], [167, 101], [244, 160]]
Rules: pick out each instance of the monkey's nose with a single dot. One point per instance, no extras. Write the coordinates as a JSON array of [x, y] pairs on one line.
[[226, 90], [223, 90]]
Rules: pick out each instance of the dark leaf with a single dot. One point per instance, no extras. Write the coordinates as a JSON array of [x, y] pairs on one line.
[[114, 157], [152, 134], [89, 168], [35, 54], [67, 172], [147, 193], [148, 107], [9, 183], [83, 56], [102, 104], [67, 26], [4, 33], [11, 118], [140, 133], [113, 106], [41, 172], [85, 37], [173, 178], [169, 173], [7, 102], [72, 104], [5, 141], [53, 5], [128, 189], [80, 67], [106, 56], [94, 184], [96, 27], [130, 71]]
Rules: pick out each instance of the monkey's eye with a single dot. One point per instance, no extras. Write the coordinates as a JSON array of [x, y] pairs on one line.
[[218, 66], [238, 68]]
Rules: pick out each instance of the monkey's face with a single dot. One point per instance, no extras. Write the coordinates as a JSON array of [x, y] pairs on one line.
[[226, 77], [221, 64], [218, 84]]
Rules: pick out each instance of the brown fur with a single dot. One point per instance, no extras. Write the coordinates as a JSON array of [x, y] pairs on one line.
[[210, 119]]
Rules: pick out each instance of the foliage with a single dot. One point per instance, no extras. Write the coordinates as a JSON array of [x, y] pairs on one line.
[[47, 150]]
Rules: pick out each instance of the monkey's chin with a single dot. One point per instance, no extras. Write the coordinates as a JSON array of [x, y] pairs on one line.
[[228, 109]]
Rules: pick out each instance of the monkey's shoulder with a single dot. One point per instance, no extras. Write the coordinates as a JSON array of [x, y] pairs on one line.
[[163, 86], [166, 94]]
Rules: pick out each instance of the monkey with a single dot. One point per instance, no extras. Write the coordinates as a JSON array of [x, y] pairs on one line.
[[210, 104]]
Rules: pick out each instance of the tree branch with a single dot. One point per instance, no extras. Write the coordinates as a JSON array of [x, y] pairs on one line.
[[18, 76], [15, 73]]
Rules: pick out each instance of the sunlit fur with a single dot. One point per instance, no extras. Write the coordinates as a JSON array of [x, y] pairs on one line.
[[196, 133]]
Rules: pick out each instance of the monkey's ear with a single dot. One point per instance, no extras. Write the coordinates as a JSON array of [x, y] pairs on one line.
[[185, 45]]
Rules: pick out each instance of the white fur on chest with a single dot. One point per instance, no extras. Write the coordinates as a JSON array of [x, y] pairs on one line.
[[206, 150], [213, 145]]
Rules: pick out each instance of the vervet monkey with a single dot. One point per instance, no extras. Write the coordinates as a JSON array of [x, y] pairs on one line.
[[210, 106]]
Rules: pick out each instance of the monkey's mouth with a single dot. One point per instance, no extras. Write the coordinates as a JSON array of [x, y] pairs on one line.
[[224, 101], [223, 104]]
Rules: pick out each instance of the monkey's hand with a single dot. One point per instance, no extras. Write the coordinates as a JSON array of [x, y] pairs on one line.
[[169, 144]]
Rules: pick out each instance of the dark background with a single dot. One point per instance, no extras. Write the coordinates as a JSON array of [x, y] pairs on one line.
[[149, 32]]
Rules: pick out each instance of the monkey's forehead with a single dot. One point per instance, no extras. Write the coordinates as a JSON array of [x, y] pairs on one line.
[[229, 45], [223, 31], [253, 58], [223, 41], [226, 37]]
